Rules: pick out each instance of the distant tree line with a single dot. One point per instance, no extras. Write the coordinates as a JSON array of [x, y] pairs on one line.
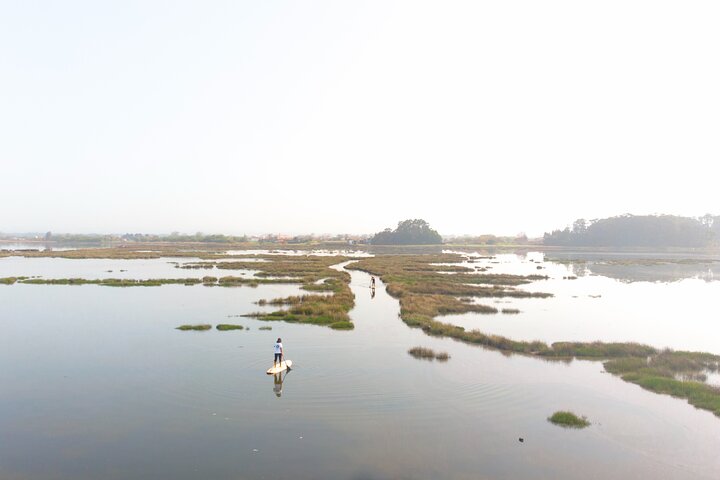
[[180, 237], [408, 232], [639, 231], [488, 239], [78, 238]]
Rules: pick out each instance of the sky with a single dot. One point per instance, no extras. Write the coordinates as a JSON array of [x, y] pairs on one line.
[[246, 117]]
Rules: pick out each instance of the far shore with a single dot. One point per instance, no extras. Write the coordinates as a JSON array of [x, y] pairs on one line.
[[336, 245]]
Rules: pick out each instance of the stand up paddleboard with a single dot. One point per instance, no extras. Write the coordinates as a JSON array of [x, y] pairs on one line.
[[281, 367]]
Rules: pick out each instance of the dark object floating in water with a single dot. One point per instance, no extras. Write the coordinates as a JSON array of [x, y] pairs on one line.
[[521, 439]]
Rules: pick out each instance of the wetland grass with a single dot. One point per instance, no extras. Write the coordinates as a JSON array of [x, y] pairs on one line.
[[679, 374], [224, 327], [428, 354], [568, 420], [342, 325], [266, 327], [113, 282], [329, 306], [442, 356], [199, 328], [315, 275], [425, 294], [422, 352]]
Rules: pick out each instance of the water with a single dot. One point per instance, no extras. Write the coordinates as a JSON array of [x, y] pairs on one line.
[[95, 382], [607, 302], [91, 268], [320, 253]]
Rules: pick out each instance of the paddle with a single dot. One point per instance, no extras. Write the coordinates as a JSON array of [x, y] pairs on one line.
[[281, 360]]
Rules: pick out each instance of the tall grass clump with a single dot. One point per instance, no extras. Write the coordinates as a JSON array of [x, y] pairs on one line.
[[428, 354], [201, 327], [568, 420], [223, 327]]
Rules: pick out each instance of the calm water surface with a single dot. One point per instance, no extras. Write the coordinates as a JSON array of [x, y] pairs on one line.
[[91, 268], [96, 383], [666, 304]]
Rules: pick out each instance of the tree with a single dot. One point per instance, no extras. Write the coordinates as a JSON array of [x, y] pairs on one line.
[[408, 232], [636, 231], [707, 220], [580, 226]]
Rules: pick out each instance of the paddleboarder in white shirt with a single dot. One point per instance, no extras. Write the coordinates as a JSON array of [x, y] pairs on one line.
[[278, 351]]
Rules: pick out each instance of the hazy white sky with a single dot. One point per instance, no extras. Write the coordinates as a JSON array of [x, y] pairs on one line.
[[347, 116]]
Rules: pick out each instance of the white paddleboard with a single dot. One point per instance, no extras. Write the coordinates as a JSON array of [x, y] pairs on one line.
[[282, 366]]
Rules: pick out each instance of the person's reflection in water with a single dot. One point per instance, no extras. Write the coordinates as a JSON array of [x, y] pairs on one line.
[[372, 292], [277, 384]]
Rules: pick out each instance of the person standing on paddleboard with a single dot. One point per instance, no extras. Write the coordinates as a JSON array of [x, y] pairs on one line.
[[278, 351]]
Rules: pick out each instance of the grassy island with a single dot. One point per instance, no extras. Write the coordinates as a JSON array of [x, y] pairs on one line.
[[202, 327], [428, 354], [568, 420], [223, 327]]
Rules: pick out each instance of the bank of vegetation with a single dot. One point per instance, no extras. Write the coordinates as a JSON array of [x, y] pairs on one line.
[[11, 280], [639, 231], [330, 301], [113, 282], [429, 286], [680, 374]]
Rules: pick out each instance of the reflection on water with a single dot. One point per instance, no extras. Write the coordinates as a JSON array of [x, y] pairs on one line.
[[96, 383], [659, 271], [36, 247], [588, 305], [278, 383]]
